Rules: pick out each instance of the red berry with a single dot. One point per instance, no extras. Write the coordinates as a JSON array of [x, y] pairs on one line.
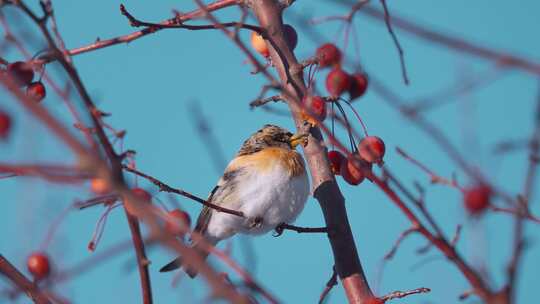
[[477, 198], [177, 221], [99, 186], [337, 82], [316, 105], [5, 124], [38, 264], [328, 54], [375, 301], [371, 149], [359, 84], [351, 172], [36, 91], [336, 160], [21, 72], [142, 194], [290, 35]]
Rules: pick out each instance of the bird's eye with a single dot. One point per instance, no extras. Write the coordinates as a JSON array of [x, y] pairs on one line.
[[289, 134]]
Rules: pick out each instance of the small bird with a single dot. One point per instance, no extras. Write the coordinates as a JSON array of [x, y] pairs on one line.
[[266, 181]]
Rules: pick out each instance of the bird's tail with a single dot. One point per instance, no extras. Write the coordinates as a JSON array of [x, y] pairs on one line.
[[177, 263]]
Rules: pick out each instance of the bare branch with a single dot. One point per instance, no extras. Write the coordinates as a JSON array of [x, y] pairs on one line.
[[387, 20], [166, 188], [329, 285], [455, 43], [400, 239], [402, 294], [179, 25], [260, 102], [24, 284], [282, 227]]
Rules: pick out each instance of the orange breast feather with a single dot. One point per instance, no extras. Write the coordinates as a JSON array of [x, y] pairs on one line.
[[269, 158]]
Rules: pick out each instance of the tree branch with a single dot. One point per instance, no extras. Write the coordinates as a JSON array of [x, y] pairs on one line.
[[347, 262], [179, 25], [454, 43], [166, 188], [99, 44], [23, 283]]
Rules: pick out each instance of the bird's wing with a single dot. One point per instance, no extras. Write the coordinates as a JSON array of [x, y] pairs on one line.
[[219, 195], [206, 213]]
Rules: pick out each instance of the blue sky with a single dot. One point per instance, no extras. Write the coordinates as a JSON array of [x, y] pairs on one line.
[[151, 85]]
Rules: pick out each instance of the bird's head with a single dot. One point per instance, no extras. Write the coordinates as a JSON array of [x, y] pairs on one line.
[[272, 136]]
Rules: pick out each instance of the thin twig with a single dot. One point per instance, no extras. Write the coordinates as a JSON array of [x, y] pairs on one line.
[[282, 227], [329, 285], [402, 294], [523, 202], [155, 26], [166, 188], [454, 43], [260, 102], [400, 239], [100, 43], [387, 20]]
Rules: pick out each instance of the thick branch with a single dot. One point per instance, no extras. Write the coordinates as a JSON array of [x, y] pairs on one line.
[[348, 267]]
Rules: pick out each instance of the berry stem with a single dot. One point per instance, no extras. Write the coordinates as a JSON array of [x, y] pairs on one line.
[[357, 116]]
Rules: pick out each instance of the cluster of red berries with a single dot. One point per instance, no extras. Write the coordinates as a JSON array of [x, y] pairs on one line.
[[338, 81], [23, 73], [371, 150]]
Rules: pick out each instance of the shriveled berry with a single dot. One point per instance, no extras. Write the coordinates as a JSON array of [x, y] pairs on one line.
[[290, 35], [177, 222], [5, 124], [21, 72], [477, 198], [359, 84], [36, 91], [337, 82], [142, 194], [328, 54], [316, 105], [259, 45], [371, 149], [351, 172], [38, 265], [336, 160]]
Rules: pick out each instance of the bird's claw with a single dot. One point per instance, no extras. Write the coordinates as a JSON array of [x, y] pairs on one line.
[[278, 231]]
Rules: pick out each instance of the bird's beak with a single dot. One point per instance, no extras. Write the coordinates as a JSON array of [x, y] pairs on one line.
[[299, 138]]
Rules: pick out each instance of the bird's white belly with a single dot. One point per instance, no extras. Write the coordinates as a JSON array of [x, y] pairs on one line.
[[274, 197]]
